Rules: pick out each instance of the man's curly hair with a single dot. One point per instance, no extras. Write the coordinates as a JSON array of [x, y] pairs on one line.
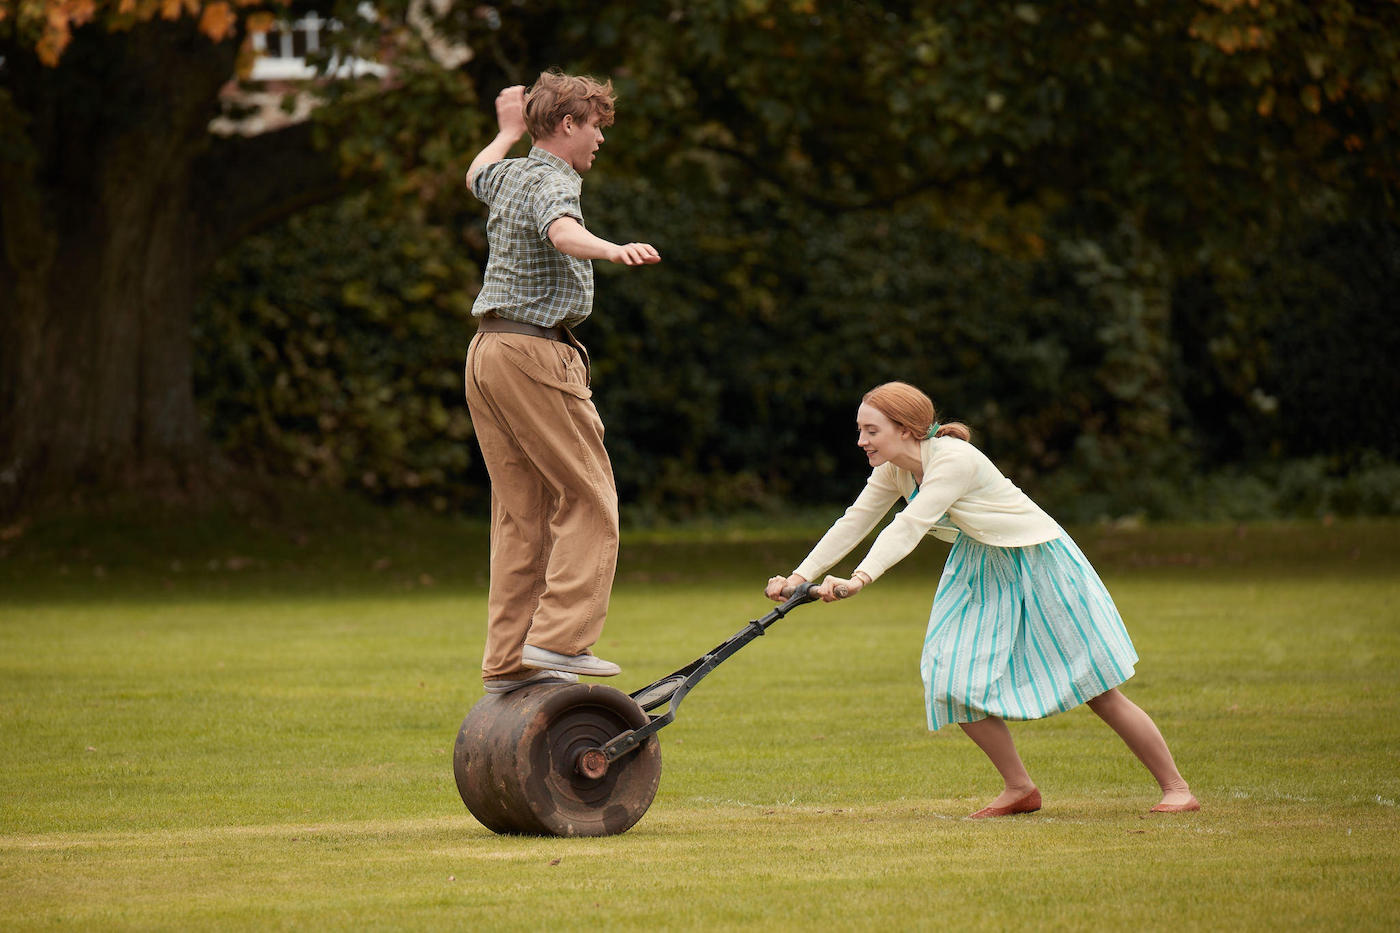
[[556, 94]]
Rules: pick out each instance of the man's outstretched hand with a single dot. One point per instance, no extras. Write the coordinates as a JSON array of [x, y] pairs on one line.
[[634, 254]]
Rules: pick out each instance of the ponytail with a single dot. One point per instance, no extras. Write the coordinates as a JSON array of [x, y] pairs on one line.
[[952, 429]]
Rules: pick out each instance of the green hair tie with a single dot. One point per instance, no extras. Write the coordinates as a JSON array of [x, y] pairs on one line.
[[932, 430]]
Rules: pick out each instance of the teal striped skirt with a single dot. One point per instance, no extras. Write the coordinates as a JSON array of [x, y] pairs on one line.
[[1020, 633]]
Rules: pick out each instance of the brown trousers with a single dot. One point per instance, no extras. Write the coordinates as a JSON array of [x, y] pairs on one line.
[[554, 525]]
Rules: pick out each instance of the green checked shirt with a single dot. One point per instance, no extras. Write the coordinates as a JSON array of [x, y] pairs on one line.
[[526, 278]]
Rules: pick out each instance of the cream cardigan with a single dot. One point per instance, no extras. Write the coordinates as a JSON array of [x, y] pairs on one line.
[[959, 481]]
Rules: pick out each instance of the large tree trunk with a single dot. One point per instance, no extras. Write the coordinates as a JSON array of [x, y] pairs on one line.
[[114, 203]]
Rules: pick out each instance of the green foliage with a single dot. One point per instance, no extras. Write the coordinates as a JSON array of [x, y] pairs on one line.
[[1077, 225], [332, 350], [1124, 240], [1333, 327], [1289, 349], [727, 374]]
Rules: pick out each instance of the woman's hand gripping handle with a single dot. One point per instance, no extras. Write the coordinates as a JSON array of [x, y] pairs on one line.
[[829, 590]]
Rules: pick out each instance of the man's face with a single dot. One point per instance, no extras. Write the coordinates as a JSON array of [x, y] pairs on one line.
[[581, 141]]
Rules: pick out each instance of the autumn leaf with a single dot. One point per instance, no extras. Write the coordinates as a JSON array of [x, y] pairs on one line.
[[52, 43], [1266, 103], [247, 57], [218, 21]]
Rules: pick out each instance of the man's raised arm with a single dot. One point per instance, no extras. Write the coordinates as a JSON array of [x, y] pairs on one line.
[[510, 116]]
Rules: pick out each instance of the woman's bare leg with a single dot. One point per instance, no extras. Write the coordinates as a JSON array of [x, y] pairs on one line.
[[994, 738], [1140, 734]]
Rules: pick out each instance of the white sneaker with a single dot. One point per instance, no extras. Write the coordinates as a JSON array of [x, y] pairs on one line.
[[574, 664], [507, 684]]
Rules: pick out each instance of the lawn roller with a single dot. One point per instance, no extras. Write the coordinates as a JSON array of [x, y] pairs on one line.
[[579, 759]]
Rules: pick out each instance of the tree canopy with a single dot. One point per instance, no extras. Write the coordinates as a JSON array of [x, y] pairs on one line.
[[1088, 223], [47, 25]]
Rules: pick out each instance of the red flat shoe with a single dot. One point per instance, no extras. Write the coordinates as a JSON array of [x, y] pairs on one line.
[[1027, 804], [1187, 807]]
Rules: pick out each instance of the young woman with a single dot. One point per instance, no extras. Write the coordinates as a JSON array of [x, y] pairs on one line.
[[1021, 628]]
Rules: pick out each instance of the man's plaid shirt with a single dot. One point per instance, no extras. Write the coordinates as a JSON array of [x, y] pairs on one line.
[[526, 278]]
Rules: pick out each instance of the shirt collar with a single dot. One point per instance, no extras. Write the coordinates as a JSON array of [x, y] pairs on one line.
[[550, 159]]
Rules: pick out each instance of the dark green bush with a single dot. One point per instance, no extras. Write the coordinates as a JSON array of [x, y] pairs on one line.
[[332, 350], [729, 374]]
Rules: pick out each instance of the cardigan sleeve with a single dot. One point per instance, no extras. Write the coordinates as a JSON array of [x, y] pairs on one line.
[[850, 529], [948, 477]]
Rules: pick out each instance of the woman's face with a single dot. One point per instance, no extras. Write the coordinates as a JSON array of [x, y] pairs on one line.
[[878, 436]]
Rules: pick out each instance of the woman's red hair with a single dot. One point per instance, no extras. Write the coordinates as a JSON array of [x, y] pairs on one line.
[[912, 410]]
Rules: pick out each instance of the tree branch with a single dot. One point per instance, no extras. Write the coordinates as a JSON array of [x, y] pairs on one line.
[[252, 183]]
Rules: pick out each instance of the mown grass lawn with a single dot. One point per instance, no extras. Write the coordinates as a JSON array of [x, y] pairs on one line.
[[207, 724]]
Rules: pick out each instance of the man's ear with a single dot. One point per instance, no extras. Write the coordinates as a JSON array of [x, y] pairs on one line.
[[566, 123]]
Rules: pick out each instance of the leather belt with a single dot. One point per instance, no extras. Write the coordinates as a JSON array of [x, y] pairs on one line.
[[498, 325]]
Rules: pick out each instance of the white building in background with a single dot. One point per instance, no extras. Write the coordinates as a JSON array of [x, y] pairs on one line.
[[273, 94], [282, 52]]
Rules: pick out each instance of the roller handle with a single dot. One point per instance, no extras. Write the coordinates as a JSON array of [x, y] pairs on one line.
[[788, 591]]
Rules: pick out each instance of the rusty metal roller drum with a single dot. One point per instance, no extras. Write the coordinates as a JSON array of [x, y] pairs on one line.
[[517, 762]]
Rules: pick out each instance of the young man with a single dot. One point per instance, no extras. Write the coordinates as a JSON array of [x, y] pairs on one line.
[[554, 526]]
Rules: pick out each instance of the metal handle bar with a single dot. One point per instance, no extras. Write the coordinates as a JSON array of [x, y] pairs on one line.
[[673, 687], [842, 591]]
